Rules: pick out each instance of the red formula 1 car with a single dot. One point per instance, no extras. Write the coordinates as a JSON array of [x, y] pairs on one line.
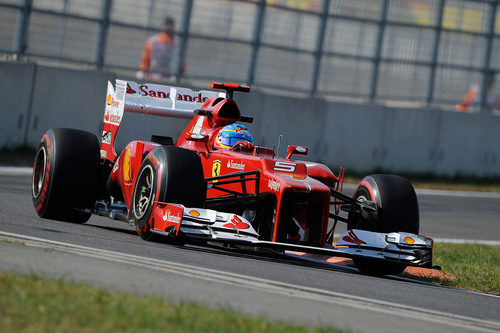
[[244, 196]]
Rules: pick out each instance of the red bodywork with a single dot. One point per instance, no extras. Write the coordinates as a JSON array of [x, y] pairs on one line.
[[283, 178]]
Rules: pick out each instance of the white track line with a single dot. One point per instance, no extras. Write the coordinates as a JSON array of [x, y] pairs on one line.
[[467, 241], [461, 194], [277, 287], [15, 171]]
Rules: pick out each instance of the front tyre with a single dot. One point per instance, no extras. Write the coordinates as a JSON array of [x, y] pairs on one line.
[[65, 175], [167, 174], [397, 211]]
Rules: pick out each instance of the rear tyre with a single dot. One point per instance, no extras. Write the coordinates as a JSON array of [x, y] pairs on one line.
[[65, 175], [397, 210], [167, 174]]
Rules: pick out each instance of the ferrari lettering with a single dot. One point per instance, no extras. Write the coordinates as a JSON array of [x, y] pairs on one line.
[[284, 166]]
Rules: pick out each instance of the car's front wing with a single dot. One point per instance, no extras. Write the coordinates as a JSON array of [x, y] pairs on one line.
[[398, 247]]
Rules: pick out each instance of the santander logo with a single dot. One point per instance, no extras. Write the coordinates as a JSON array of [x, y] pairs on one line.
[[130, 90], [169, 217], [352, 238], [236, 223], [145, 91], [234, 165]]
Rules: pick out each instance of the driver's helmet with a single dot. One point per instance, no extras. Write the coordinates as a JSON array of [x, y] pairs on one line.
[[230, 134]]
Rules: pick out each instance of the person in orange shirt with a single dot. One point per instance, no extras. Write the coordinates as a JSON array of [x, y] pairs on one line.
[[472, 99], [158, 54]]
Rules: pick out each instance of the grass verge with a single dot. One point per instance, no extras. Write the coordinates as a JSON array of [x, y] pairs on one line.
[[474, 267], [445, 183], [33, 304]]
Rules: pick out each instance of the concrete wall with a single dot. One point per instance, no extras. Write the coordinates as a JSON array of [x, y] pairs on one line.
[[66, 98], [361, 137], [34, 98], [364, 137], [16, 82]]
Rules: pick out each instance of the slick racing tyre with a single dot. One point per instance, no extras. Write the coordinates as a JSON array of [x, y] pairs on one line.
[[167, 174], [65, 175], [397, 210]]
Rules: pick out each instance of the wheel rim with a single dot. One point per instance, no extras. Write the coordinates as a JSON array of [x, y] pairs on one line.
[[357, 221], [39, 172], [143, 192]]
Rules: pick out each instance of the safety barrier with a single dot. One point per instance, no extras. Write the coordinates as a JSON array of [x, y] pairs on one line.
[[361, 137]]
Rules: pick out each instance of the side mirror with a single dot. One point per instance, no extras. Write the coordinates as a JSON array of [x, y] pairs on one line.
[[195, 137], [297, 150]]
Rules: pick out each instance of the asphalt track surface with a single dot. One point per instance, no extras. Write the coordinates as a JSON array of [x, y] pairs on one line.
[[108, 254]]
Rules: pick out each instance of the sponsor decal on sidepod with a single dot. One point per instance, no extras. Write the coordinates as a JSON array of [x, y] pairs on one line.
[[273, 185], [237, 166], [216, 168]]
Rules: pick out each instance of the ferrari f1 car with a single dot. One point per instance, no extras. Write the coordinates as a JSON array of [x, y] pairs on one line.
[[189, 190]]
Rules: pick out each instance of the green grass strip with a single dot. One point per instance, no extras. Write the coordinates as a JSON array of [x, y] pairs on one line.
[[474, 267], [33, 304], [450, 184]]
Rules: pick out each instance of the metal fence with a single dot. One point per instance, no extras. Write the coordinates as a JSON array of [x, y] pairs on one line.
[[429, 51]]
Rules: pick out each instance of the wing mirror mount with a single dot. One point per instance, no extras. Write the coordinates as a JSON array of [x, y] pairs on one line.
[[297, 150], [195, 137]]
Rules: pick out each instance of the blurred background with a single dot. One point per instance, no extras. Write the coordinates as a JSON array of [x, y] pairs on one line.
[[365, 84], [429, 51]]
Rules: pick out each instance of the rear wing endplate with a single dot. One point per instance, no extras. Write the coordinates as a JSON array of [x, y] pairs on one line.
[[147, 98]]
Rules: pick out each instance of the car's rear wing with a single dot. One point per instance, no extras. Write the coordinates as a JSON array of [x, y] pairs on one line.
[[147, 98]]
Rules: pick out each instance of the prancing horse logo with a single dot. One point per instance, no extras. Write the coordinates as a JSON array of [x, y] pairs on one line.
[[216, 169]]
